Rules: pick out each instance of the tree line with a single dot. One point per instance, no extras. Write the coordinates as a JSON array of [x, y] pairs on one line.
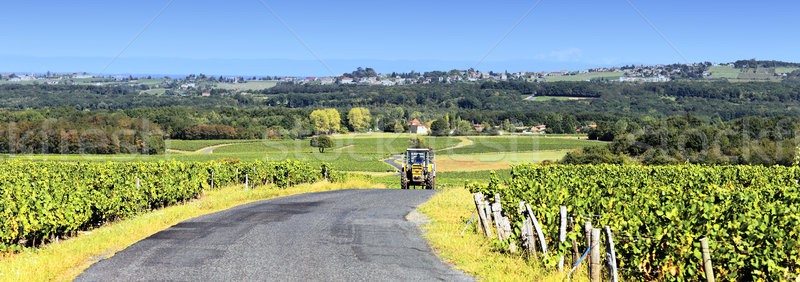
[[66, 131], [689, 139]]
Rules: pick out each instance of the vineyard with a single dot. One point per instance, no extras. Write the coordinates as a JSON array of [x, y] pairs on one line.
[[750, 215], [40, 201]]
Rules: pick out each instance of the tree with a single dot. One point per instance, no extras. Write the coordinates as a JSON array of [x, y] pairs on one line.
[[507, 126], [359, 118], [417, 142], [463, 127], [326, 121], [397, 113], [322, 142], [439, 127], [398, 128]]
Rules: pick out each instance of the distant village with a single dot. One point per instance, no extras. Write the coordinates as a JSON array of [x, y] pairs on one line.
[[640, 73]]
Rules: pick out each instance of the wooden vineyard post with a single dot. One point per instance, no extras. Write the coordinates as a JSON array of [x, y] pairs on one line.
[[587, 230], [512, 246], [594, 256], [524, 230], [498, 222], [497, 209], [502, 222], [478, 198], [527, 230], [246, 182], [487, 208], [530, 239], [562, 234], [138, 204], [212, 180], [611, 255], [707, 267], [538, 230], [575, 251]]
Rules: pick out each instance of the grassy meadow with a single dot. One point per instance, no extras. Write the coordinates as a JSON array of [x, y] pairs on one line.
[[721, 71], [249, 85]]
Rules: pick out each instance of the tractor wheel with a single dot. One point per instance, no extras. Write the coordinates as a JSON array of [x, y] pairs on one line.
[[430, 183], [403, 180]]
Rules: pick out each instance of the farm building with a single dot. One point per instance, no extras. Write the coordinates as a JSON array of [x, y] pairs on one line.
[[417, 127]]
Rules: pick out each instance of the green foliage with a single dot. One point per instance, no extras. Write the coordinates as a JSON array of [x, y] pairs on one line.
[[322, 142], [750, 214], [288, 106], [359, 119], [593, 155], [681, 139], [62, 131], [417, 142], [326, 120], [440, 127], [90, 97], [39, 200]]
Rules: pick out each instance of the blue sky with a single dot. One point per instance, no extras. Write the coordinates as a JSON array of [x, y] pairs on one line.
[[245, 38]]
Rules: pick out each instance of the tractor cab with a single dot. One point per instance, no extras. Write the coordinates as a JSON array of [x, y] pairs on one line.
[[419, 168]]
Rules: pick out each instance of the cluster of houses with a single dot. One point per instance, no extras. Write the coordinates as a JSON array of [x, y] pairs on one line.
[[388, 80], [49, 78], [640, 73]]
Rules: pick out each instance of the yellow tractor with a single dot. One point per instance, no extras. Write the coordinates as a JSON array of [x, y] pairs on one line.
[[419, 169]]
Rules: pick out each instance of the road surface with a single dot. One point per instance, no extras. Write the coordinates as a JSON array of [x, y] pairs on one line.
[[392, 162], [343, 235]]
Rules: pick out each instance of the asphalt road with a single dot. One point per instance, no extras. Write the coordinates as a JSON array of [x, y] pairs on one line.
[[332, 236], [392, 162]]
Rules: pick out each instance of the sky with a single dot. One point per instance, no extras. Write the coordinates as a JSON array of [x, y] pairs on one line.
[[324, 38]]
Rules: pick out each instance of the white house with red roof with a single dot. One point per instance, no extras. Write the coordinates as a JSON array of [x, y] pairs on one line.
[[415, 126]]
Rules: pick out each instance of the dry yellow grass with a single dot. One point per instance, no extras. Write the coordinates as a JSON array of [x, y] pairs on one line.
[[68, 258], [472, 252]]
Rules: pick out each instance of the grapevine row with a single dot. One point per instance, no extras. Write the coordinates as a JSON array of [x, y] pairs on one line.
[[750, 214], [40, 200]]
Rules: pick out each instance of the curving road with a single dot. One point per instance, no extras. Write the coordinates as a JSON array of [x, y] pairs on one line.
[[333, 236], [393, 162]]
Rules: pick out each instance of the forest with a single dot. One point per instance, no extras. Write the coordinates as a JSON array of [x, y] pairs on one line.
[[688, 139], [283, 112]]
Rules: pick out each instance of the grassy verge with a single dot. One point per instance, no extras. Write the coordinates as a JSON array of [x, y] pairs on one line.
[[66, 259], [472, 253]]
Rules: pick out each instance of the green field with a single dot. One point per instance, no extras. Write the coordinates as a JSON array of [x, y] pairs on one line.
[[721, 71], [785, 69], [250, 85], [747, 74], [155, 91], [352, 153], [519, 143], [360, 152], [757, 74], [192, 145]]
